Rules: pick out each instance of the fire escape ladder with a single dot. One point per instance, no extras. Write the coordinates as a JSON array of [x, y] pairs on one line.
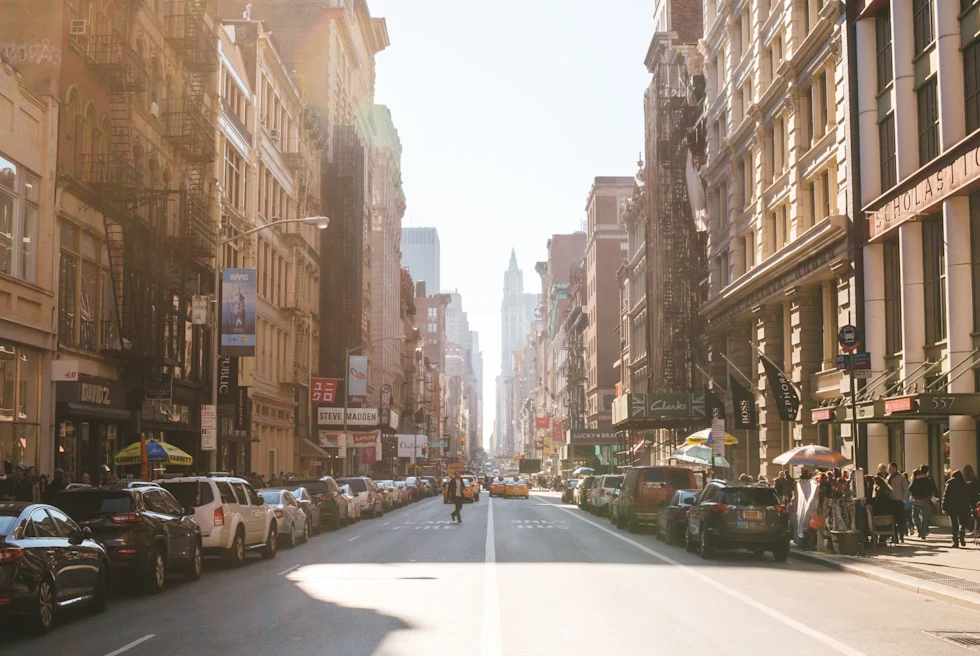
[[116, 249]]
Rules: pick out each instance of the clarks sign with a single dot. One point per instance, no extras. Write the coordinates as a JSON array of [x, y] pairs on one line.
[[930, 190]]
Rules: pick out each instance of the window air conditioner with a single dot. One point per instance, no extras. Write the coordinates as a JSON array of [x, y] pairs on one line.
[[274, 134], [154, 109], [81, 30]]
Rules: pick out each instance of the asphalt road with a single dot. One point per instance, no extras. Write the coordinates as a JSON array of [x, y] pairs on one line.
[[517, 577]]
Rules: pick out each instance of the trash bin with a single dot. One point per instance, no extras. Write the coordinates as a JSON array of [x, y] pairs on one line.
[[845, 542]]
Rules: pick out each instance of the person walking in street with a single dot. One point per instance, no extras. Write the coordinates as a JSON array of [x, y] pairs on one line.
[[956, 503], [456, 487], [899, 490], [923, 490]]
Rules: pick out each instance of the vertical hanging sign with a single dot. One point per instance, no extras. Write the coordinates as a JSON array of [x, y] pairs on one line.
[[209, 427], [238, 312], [357, 378]]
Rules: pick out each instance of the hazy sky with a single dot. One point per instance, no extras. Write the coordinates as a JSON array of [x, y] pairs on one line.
[[506, 111]]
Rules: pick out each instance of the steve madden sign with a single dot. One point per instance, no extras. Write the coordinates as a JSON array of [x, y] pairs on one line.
[[932, 187], [355, 416]]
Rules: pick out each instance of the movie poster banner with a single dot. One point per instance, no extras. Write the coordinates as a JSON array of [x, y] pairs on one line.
[[238, 312]]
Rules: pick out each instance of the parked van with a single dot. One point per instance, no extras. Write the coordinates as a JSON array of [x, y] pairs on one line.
[[646, 489]]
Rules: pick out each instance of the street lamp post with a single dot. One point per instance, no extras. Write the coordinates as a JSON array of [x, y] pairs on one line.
[[347, 353], [320, 222]]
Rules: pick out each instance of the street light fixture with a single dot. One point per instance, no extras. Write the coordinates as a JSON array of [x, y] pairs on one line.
[[321, 222]]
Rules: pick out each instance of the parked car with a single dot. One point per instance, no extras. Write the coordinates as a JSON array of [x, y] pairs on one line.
[[434, 488], [144, 529], [672, 517], [737, 516], [601, 492], [293, 525], [647, 489], [231, 514], [613, 506], [403, 493], [415, 488], [568, 494], [310, 506], [323, 496], [582, 490], [372, 505], [352, 506], [48, 562], [387, 488]]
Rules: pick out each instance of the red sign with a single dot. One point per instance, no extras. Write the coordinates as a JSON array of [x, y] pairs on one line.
[[368, 455], [822, 414], [323, 391], [542, 422], [557, 432], [898, 405], [361, 439]]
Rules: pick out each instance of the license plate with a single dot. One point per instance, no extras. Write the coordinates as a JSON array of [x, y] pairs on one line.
[[752, 514]]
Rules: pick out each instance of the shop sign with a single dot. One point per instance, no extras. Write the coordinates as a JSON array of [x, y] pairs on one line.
[[361, 440], [821, 414], [389, 418], [904, 404], [64, 370], [92, 391], [199, 310], [657, 406], [934, 187], [557, 431], [160, 390], [355, 416], [243, 410], [543, 423], [323, 391], [591, 436], [410, 446], [94, 394], [209, 427], [227, 379], [949, 404]]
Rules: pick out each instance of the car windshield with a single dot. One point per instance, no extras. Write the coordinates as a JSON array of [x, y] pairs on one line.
[[749, 496], [356, 484], [189, 493], [7, 523], [86, 505], [271, 497]]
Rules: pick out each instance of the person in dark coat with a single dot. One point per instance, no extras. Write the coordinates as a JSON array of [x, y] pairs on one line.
[[19, 487], [456, 487], [57, 484], [972, 489], [956, 503]]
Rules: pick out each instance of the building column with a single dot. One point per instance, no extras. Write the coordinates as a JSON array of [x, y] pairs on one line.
[[867, 88], [769, 332], [951, 91], [913, 332], [807, 339], [874, 338], [959, 325], [906, 112]]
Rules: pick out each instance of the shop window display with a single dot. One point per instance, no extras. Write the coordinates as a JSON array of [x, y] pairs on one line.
[[19, 405]]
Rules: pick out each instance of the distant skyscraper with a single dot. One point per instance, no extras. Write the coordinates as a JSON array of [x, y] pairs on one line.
[[513, 316], [420, 255]]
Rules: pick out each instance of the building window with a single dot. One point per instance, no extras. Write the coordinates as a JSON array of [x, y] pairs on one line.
[[19, 195], [234, 183], [889, 159], [975, 257], [825, 194], [79, 287], [971, 71], [432, 312], [928, 121], [883, 48], [934, 274], [922, 29], [893, 296], [20, 402], [433, 327]]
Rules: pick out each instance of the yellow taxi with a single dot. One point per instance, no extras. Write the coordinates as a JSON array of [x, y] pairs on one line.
[[517, 488], [474, 484], [467, 489], [497, 487]]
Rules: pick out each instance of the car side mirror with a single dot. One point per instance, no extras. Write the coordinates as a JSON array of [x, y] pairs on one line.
[[77, 537], [87, 532], [189, 511]]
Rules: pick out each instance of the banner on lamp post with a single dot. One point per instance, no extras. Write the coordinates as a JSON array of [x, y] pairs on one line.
[[357, 368], [238, 312]]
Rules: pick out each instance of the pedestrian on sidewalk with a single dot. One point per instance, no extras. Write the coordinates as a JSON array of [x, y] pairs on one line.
[[972, 487], [456, 487], [909, 525], [956, 503], [923, 490], [899, 490]]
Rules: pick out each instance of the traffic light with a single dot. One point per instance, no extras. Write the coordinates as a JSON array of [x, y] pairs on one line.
[[462, 441], [423, 450]]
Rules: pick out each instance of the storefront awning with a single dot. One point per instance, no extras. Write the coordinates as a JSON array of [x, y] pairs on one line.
[[91, 411], [308, 449], [921, 407]]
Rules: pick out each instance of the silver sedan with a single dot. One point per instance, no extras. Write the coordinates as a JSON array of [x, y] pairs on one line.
[[293, 526]]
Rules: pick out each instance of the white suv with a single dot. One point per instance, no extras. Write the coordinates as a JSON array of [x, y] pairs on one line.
[[231, 514], [372, 505]]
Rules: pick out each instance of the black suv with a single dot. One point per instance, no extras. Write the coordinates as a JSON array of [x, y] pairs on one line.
[[143, 529], [737, 516], [324, 492]]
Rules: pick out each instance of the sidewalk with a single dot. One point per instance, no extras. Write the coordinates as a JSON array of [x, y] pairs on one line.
[[930, 567]]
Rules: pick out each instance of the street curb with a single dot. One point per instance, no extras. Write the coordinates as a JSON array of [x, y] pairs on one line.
[[942, 593]]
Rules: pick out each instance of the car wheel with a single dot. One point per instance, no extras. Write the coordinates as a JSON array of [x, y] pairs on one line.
[[306, 532], [156, 576], [45, 607], [291, 536], [780, 552], [271, 542], [634, 524], [193, 570], [236, 555], [689, 544], [100, 593], [706, 550]]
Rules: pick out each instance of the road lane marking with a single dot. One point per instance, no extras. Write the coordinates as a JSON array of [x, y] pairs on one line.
[[758, 605], [354, 538], [134, 643], [287, 571], [491, 595], [386, 523]]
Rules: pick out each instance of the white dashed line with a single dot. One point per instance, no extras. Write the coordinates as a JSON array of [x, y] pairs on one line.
[[287, 571], [134, 643], [354, 538]]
